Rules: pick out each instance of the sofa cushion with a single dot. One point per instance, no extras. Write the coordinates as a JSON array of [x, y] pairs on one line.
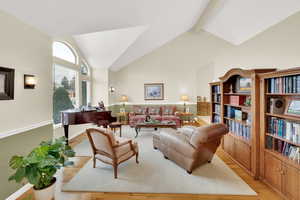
[[156, 117], [139, 110], [207, 133], [168, 110], [188, 131], [154, 110]]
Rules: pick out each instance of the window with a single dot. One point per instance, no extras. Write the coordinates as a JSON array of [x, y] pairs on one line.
[[84, 69], [65, 94], [85, 89], [64, 52], [71, 80]]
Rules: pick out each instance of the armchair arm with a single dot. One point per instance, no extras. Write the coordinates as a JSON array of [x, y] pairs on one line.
[[178, 142], [125, 143]]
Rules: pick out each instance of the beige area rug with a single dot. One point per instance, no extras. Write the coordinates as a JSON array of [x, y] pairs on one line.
[[154, 174]]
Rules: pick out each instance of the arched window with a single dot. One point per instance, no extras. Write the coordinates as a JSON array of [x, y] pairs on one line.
[[64, 52], [84, 70]]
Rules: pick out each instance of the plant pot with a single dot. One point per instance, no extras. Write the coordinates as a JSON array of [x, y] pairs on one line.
[[46, 193]]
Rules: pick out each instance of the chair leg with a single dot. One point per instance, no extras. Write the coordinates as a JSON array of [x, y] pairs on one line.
[[120, 131], [116, 171], [94, 162], [137, 158]]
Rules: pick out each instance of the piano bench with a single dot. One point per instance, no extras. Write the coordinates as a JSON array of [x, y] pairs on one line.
[[115, 125]]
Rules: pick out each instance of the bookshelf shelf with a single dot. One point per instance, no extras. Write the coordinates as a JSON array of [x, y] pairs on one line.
[[283, 94], [238, 94], [239, 121], [278, 155], [283, 116], [239, 138], [215, 99], [246, 108], [285, 140]]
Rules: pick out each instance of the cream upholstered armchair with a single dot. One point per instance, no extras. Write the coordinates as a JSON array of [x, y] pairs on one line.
[[111, 149]]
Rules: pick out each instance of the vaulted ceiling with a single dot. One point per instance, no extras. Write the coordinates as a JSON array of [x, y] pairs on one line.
[[114, 33]]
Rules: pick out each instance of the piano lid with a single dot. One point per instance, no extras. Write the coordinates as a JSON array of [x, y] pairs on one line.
[[76, 110]]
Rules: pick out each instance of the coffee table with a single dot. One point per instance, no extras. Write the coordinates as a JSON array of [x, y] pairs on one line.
[[155, 125]]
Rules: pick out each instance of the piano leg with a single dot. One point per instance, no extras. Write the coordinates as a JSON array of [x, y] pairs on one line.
[[66, 128]]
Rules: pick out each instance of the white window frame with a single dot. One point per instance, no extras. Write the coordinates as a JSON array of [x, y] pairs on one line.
[[77, 67]]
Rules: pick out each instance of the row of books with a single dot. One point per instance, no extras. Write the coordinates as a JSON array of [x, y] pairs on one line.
[[216, 89], [216, 119], [216, 98], [285, 129], [217, 108], [239, 129], [286, 149], [287, 84]]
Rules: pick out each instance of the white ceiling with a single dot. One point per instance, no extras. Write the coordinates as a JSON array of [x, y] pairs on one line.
[[239, 20], [113, 33]]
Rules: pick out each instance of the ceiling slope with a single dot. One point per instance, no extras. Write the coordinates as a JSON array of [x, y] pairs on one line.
[[237, 21], [101, 49]]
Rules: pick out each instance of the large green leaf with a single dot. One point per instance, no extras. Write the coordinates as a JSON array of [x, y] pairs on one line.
[[16, 162]]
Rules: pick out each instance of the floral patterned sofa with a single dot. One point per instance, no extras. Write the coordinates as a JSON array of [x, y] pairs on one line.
[[160, 113]]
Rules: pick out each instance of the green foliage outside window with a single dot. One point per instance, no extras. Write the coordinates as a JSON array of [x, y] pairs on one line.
[[61, 101]]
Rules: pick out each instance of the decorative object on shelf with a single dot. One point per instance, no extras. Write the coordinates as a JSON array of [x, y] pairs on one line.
[[185, 99], [41, 165], [243, 85], [237, 100], [111, 90], [148, 118], [154, 91], [7, 80], [277, 105], [293, 107], [231, 88], [248, 101], [101, 106], [29, 81], [123, 99]]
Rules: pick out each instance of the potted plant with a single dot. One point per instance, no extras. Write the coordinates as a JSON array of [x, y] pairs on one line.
[[40, 166]]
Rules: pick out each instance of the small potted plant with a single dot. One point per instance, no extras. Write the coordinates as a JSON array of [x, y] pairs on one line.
[[40, 166]]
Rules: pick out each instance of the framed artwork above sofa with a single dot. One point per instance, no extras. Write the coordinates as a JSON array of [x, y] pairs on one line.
[[154, 91]]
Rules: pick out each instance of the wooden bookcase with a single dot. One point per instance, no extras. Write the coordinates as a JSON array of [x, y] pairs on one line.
[[276, 169], [242, 142], [215, 99]]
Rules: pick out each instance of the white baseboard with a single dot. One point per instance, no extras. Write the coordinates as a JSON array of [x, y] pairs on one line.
[[24, 129]]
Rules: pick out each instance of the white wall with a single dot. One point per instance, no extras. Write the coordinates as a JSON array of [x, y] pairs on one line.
[[100, 86], [185, 66], [28, 51]]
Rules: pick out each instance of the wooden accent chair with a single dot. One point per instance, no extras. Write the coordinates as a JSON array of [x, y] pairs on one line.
[[111, 149]]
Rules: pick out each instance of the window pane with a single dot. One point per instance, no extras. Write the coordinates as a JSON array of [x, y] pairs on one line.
[[84, 69], [64, 52], [86, 97], [64, 97]]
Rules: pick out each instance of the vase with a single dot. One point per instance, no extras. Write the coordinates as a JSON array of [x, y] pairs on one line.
[[46, 193]]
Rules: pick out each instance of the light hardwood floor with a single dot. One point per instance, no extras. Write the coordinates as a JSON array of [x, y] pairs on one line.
[[263, 191]]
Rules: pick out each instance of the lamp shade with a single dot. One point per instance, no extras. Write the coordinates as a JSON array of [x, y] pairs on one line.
[[124, 98], [184, 98]]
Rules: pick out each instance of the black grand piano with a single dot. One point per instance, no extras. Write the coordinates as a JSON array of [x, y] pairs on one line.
[[89, 115]]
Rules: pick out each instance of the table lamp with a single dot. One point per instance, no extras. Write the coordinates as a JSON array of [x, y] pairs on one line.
[[124, 99], [185, 99]]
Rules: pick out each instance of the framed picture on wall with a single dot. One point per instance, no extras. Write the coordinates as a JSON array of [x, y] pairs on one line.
[[7, 80], [154, 91]]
